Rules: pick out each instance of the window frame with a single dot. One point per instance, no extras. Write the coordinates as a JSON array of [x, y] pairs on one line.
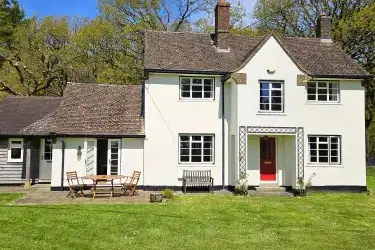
[[191, 88], [190, 162], [327, 88], [10, 149], [282, 111], [329, 163]]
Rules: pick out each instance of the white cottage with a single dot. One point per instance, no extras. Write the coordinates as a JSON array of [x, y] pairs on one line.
[[271, 109]]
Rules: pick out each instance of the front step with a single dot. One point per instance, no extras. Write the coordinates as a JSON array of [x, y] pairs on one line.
[[272, 190]]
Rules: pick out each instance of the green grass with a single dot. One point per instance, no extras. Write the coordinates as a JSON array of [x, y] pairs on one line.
[[319, 221], [8, 198]]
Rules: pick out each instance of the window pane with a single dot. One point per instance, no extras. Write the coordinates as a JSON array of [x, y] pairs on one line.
[[207, 152], [185, 94], [197, 81], [276, 93], [207, 138], [197, 88], [333, 97], [196, 145], [311, 85], [312, 145], [334, 160], [264, 86], [196, 151], [322, 84], [15, 153], [185, 87], [207, 159], [264, 106], [314, 159], [322, 97], [276, 85], [333, 85], [323, 152], [197, 94], [312, 139], [185, 81], [276, 100], [323, 146], [184, 152], [184, 159], [197, 138], [323, 139], [323, 159], [208, 83], [184, 138], [208, 94], [313, 152], [264, 92], [322, 91], [311, 97], [196, 159], [311, 91], [276, 107], [264, 100]]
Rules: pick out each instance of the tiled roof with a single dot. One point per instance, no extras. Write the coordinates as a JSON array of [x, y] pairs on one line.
[[26, 115], [100, 109], [195, 52]]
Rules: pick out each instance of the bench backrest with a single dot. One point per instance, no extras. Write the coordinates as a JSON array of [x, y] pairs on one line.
[[197, 175]]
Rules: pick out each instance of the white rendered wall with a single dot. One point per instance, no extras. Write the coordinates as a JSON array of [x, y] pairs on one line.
[[345, 118], [131, 158], [166, 116]]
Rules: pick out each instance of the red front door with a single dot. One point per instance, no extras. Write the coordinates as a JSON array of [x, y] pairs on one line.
[[267, 159]]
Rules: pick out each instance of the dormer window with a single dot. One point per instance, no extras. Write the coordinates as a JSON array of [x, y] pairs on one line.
[[323, 91], [197, 88]]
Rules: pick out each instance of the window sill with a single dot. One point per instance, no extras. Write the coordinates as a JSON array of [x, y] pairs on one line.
[[323, 103], [15, 161], [271, 113], [197, 165], [324, 165], [196, 100]]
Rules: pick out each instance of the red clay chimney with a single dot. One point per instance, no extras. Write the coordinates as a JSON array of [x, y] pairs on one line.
[[222, 24]]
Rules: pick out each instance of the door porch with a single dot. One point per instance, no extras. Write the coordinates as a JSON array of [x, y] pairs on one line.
[[271, 155]]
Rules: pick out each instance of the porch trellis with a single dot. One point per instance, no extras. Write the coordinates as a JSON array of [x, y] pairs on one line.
[[245, 130]]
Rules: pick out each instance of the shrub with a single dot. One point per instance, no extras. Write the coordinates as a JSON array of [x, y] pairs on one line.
[[302, 186], [168, 193], [241, 186]]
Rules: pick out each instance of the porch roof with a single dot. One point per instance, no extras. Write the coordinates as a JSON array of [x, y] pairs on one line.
[[100, 109], [27, 115]]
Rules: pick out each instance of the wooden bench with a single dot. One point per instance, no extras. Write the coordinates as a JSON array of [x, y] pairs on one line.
[[197, 178]]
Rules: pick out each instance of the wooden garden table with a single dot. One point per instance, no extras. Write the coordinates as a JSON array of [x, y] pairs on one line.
[[103, 178]]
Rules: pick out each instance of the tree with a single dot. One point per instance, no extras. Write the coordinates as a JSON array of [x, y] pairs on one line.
[[11, 15], [40, 58], [298, 17]]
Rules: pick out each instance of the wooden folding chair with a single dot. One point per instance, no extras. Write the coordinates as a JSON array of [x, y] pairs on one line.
[[131, 183], [75, 186]]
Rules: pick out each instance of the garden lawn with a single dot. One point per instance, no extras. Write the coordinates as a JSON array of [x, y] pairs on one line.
[[319, 221]]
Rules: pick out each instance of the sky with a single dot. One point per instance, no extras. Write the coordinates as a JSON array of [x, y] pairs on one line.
[[86, 8]]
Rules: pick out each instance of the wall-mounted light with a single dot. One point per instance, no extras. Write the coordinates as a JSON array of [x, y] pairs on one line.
[[271, 71], [79, 153]]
